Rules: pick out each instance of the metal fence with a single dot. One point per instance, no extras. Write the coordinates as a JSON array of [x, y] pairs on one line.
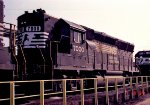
[[135, 85]]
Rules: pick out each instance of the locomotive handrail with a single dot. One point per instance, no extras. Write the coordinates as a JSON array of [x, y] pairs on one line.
[[16, 63], [42, 57], [52, 73], [25, 62], [14, 51]]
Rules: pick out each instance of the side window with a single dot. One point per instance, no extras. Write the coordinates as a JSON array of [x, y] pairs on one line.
[[77, 37]]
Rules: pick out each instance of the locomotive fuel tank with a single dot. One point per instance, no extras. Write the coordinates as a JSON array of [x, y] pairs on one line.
[[111, 80]]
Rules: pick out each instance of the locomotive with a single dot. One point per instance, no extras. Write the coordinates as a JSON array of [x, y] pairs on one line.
[[46, 47], [142, 61], [52, 48]]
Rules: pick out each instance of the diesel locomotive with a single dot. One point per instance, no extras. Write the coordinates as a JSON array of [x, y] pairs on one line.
[[142, 60], [46, 47], [52, 48]]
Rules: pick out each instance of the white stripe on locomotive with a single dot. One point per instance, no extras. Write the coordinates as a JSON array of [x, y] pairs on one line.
[[142, 60], [32, 39]]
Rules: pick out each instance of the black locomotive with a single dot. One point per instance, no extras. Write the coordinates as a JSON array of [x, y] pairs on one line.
[[50, 48], [45, 47], [142, 61]]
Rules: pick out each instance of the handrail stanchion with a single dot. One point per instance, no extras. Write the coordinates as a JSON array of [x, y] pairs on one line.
[[64, 92], [14, 50], [137, 86], [12, 93], [41, 92], [95, 87], [82, 92], [142, 85], [147, 84], [116, 90], [124, 89], [106, 89], [25, 62], [131, 88]]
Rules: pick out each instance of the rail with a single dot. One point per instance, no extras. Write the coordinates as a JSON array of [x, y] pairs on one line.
[[129, 87]]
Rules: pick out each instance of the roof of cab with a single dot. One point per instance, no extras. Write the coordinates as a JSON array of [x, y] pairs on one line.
[[74, 25]]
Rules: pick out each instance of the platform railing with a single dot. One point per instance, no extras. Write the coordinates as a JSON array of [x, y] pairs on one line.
[[130, 87]]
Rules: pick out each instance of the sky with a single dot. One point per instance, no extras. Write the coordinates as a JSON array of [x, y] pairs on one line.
[[128, 20]]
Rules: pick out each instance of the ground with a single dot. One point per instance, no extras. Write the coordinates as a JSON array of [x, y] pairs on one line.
[[143, 100]]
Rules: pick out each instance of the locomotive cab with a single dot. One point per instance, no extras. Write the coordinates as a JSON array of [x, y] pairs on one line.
[[69, 38], [68, 34]]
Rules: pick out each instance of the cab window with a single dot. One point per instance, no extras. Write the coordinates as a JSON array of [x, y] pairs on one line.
[[77, 37]]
